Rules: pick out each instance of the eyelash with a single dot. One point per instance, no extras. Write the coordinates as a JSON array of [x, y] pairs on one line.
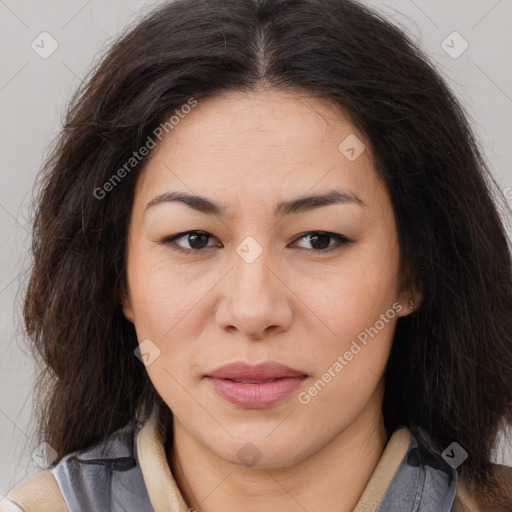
[[341, 241]]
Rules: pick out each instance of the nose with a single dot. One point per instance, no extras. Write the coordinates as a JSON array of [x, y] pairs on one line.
[[256, 301]]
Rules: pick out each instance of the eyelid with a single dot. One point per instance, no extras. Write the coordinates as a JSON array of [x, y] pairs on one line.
[[170, 241], [342, 240]]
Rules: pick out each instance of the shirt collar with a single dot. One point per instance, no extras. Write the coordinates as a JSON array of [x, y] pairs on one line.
[[400, 466], [163, 490]]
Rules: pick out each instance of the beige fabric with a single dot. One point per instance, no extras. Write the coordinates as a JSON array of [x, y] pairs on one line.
[[463, 502], [162, 488], [384, 471], [495, 496], [38, 493]]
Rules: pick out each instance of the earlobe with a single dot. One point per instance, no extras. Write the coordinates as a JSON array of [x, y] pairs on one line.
[[410, 302], [127, 309], [123, 299]]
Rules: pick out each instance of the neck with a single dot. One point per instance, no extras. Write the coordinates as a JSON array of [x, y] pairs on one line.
[[332, 479]]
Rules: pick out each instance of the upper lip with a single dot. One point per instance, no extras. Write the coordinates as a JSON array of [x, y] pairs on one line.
[[261, 371]]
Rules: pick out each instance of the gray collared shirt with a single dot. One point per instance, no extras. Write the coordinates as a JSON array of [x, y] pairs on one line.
[[108, 477]]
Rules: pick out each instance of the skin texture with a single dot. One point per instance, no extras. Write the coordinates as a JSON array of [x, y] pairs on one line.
[[295, 303]]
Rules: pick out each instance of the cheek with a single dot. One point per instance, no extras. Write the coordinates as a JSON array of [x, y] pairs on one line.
[[161, 292], [350, 361], [355, 295], [359, 308]]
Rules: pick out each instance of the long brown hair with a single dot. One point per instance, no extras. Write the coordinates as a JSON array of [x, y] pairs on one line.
[[450, 368]]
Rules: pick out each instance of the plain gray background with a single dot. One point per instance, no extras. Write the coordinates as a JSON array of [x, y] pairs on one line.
[[34, 91]]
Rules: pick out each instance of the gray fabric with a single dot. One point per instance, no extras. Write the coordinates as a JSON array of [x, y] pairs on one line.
[[422, 483], [108, 477]]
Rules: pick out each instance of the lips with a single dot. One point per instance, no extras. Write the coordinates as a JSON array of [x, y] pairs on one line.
[[255, 386], [259, 372]]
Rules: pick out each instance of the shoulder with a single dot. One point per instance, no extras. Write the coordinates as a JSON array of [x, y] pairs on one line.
[[36, 493], [104, 472], [79, 478], [496, 496]]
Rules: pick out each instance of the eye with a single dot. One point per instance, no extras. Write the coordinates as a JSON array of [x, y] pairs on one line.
[[320, 240], [197, 241]]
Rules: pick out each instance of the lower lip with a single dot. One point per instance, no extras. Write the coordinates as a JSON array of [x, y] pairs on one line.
[[256, 396]]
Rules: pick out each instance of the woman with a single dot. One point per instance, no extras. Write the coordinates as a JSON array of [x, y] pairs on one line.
[[340, 340]]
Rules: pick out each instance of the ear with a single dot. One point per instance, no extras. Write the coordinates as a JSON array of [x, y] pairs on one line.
[[127, 309], [410, 300], [126, 304]]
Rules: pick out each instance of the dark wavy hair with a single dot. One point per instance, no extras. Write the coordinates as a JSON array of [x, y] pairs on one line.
[[450, 367]]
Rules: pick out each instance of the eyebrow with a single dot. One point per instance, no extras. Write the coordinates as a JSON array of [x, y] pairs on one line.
[[292, 206]]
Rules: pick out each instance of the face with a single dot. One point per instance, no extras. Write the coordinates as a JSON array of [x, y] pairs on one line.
[[259, 274]]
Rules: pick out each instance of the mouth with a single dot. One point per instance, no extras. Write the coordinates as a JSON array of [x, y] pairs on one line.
[[255, 386], [254, 381]]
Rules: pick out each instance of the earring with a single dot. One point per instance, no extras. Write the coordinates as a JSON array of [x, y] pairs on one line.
[[411, 304]]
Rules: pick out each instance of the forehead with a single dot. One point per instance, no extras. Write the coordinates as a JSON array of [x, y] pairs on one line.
[[259, 144], [258, 117]]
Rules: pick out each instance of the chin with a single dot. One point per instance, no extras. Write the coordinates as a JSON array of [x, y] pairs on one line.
[[261, 452]]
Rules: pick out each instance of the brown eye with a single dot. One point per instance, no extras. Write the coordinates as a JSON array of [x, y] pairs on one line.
[[197, 240], [320, 240]]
